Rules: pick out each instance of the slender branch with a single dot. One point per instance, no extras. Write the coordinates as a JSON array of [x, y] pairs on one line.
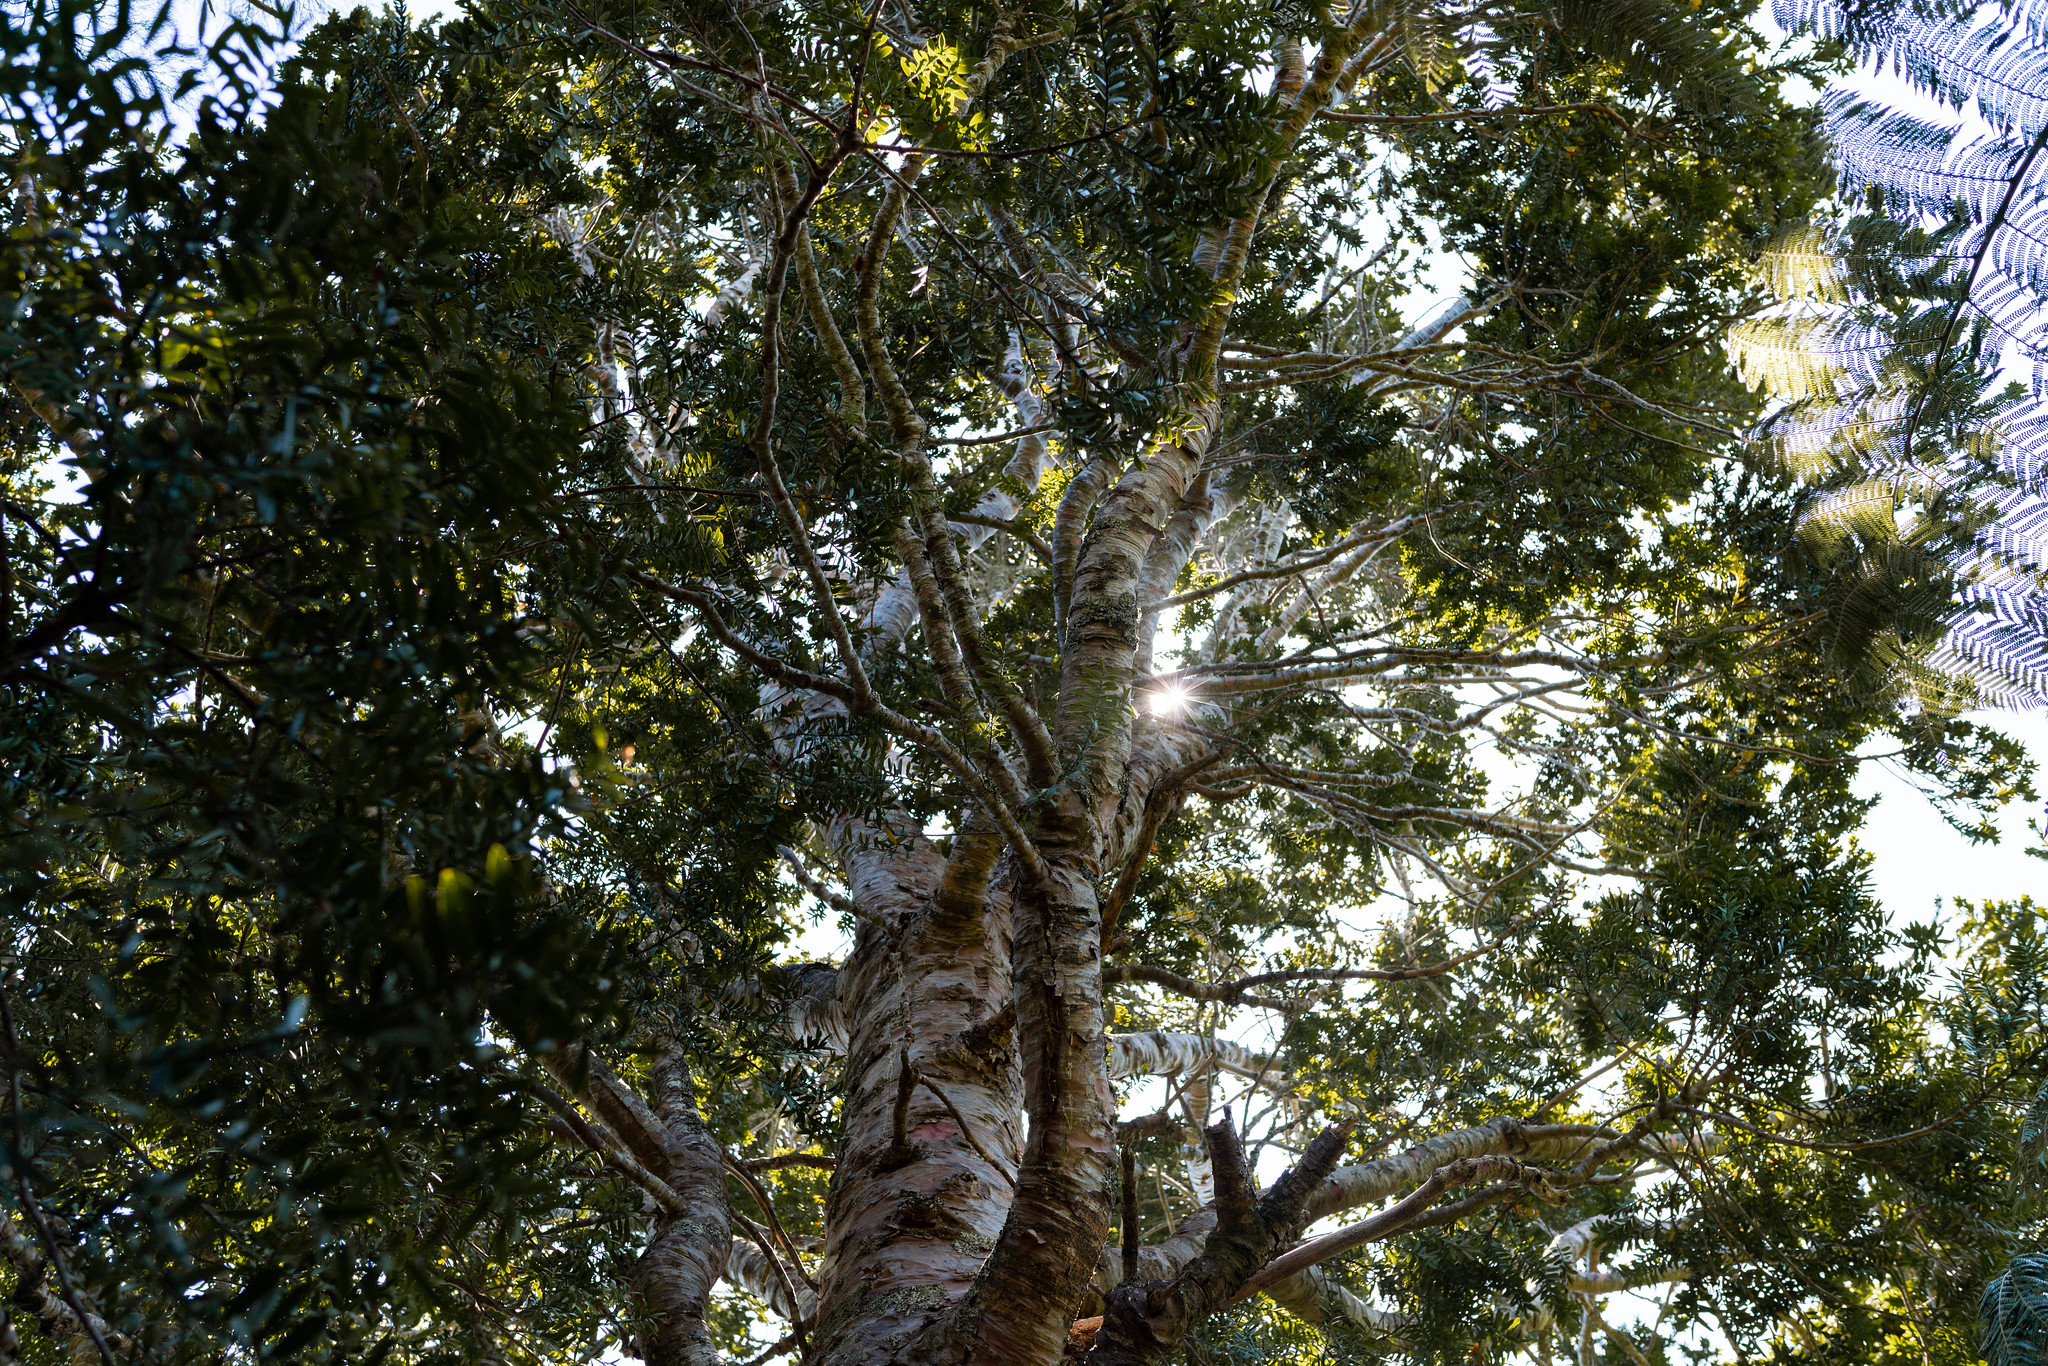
[[919, 150], [761, 1239], [1606, 111], [851, 409], [901, 726], [1010, 526], [1313, 560], [942, 643], [754, 1188], [1614, 1335], [1237, 992], [1821, 1147], [88, 1322], [781, 1348], [1156, 804], [761, 440], [1397, 1216], [837, 902], [1227, 993], [967, 1130], [769, 1164], [1018, 435], [909, 429], [577, 1127]]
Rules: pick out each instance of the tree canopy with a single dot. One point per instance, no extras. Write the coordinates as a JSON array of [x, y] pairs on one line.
[[943, 681]]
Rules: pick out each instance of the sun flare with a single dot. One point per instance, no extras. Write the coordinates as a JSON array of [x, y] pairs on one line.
[[1170, 700]]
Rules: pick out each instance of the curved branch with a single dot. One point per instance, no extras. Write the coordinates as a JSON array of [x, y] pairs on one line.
[[1239, 992], [1405, 1213], [573, 1125], [1228, 993]]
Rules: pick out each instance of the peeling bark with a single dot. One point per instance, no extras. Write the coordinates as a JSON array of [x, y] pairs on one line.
[[748, 1267], [57, 1319], [908, 1227], [688, 1252]]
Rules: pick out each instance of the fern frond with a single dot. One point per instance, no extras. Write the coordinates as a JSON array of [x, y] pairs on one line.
[[2005, 666], [1868, 508], [1814, 441], [2012, 1316], [1919, 164], [1811, 356], [1933, 484], [1958, 62], [1861, 23], [1803, 262], [2019, 441]]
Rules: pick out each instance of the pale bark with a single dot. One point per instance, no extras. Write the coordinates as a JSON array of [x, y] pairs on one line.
[[1367, 1183], [1157, 1053], [34, 1292], [1311, 1296], [687, 1253], [1145, 1320], [1348, 1188], [749, 1268], [907, 1226]]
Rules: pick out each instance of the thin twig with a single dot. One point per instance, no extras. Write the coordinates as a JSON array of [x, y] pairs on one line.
[[811, 884], [779, 1349], [997, 438], [966, 1130], [86, 1319], [769, 1164], [739, 1169], [611, 1153]]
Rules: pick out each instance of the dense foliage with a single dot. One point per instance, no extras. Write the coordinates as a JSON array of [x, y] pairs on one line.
[[1221, 526], [1904, 310]]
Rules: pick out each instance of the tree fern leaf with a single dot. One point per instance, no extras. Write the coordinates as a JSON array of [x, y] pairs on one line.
[[1932, 485], [2001, 665], [1813, 442], [1956, 63], [1867, 508], [1828, 355], [1919, 164], [1803, 262]]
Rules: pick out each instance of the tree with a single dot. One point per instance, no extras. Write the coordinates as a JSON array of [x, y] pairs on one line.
[[1904, 309], [567, 491]]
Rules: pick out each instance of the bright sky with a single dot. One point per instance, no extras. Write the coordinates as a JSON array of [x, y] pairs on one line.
[[1920, 860]]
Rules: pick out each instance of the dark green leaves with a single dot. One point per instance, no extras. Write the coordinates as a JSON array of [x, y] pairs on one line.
[[2014, 1313]]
